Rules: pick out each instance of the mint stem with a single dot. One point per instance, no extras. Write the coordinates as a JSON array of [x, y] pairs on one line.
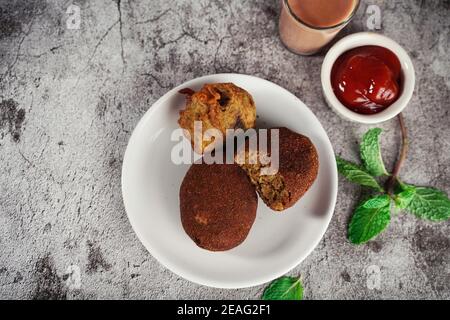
[[403, 151]]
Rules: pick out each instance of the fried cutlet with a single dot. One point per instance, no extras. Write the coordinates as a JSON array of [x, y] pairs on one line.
[[298, 168], [218, 205], [218, 106]]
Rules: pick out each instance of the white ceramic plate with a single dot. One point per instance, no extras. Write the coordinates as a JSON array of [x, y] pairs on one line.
[[276, 243]]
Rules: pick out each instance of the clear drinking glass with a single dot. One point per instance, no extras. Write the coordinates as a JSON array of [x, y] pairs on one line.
[[306, 39]]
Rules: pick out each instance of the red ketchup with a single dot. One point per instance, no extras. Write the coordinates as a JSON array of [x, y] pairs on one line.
[[366, 79]]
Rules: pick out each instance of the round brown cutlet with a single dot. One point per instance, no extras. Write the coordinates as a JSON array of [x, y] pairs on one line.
[[299, 163], [298, 168], [218, 205]]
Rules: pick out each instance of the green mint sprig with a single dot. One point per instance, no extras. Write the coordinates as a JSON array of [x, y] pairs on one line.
[[373, 215], [371, 153], [284, 288]]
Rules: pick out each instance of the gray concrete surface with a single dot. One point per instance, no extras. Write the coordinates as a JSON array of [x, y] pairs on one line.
[[69, 100]]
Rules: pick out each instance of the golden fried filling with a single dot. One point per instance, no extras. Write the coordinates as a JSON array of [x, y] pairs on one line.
[[271, 188], [218, 106]]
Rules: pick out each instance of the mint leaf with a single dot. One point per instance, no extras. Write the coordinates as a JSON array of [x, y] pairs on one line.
[[429, 203], [355, 174], [370, 218], [404, 194], [371, 153], [284, 288]]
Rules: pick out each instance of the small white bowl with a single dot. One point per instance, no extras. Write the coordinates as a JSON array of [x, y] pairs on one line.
[[364, 39]]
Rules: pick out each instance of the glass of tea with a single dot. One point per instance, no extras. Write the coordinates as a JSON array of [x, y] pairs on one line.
[[308, 25]]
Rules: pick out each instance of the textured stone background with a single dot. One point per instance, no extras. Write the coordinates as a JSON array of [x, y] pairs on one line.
[[69, 100]]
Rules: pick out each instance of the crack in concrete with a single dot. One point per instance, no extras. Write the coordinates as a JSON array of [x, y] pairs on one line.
[[102, 38], [185, 31], [217, 52], [97, 45], [99, 42], [11, 66], [184, 34], [51, 50], [119, 2], [155, 79], [42, 171], [154, 19], [26, 159], [19, 47]]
